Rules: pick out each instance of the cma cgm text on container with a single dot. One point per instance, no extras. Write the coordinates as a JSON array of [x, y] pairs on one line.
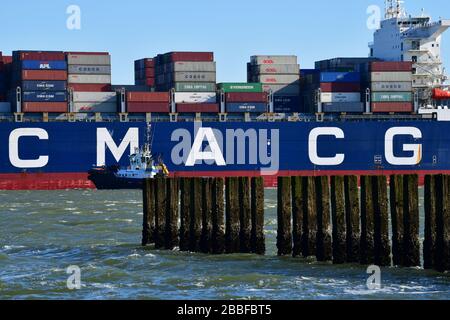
[[40, 150]]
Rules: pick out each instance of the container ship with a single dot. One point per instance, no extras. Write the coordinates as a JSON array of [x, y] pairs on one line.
[[386, 113]]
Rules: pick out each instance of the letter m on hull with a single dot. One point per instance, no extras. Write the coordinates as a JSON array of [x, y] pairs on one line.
[[104, 140]]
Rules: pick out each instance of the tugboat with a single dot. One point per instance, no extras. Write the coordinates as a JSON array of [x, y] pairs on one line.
[[143, 165]]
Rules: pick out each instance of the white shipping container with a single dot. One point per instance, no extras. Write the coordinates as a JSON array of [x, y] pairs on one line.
[[5, 107], [391, 86], [391, 76], [195, 97], [277, 69], [328, 97], [89, 78], [95, 97], [81, 59], [277, 79], [259, 60], [87, 107]]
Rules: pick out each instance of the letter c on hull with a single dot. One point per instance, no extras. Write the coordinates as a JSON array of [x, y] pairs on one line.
[[324, 161], [14, 138]]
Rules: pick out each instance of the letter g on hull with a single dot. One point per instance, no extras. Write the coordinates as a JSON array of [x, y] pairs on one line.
[[415, 159]]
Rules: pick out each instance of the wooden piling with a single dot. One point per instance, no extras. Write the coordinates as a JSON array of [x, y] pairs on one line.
[[172, 214], [185, 211], [245, 232], [149, 212], [195, 216], [324, 246], [309, 235], [338, 219], [352, 218], [397, 210], [160, 212], [206, 237], [284, 234], [232, 215], [297, 215], [218, 214], [411, 243], [381, 219], [367, 222], [442, 253], [429, 244], [258, 245]]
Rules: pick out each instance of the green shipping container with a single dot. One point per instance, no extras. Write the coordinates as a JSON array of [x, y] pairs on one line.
[[240, 87], [391, 97], [195, 87]]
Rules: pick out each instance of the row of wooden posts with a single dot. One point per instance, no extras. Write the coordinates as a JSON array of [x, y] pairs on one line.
[[207, 215], [329, 218]]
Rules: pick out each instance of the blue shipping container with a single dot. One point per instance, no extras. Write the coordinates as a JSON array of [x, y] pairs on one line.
[[44, 85], [44, 65], [340, 77], [256, 107], [286, 104], [44, 96]]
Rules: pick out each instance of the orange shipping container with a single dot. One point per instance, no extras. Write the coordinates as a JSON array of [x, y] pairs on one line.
[[53, 75], [58, 107], [148, 97]]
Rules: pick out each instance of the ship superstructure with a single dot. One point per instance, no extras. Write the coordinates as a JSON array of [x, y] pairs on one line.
[[402, 37]]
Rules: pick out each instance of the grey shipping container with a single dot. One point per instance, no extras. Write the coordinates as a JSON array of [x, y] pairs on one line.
[[190, 67], [88, 107], [257, 60], [89, 78], [80, 59], [391, 86], [89, 69], [276, 69], [95, 97], [195, 87], [343, 107], [191, 77], [291, 89], [391, 76]]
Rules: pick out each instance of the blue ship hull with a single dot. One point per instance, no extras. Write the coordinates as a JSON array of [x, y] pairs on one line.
[[60, 155]]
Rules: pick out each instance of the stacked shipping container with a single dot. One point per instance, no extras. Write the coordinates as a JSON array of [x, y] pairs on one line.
[[144, 72], [147, 102], [42, 76], [90, 81], [5, 75], [244, 97], [391, 87], [192, 75], [340, 92], [280, 75]]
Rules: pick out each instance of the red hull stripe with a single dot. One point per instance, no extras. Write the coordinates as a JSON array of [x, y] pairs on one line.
[[61, 181]]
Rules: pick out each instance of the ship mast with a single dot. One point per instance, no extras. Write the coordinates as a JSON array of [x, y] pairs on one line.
[[394, 9]]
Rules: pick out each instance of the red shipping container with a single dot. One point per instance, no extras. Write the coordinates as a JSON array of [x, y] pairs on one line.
[[247, 97], [53, 75], [198, 107], [387, 107], [7, 59], [90, 87], [340, 87], [385, 66], [146, 107], [59, 107], [191, 56], [148, 97], [41, 55]]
